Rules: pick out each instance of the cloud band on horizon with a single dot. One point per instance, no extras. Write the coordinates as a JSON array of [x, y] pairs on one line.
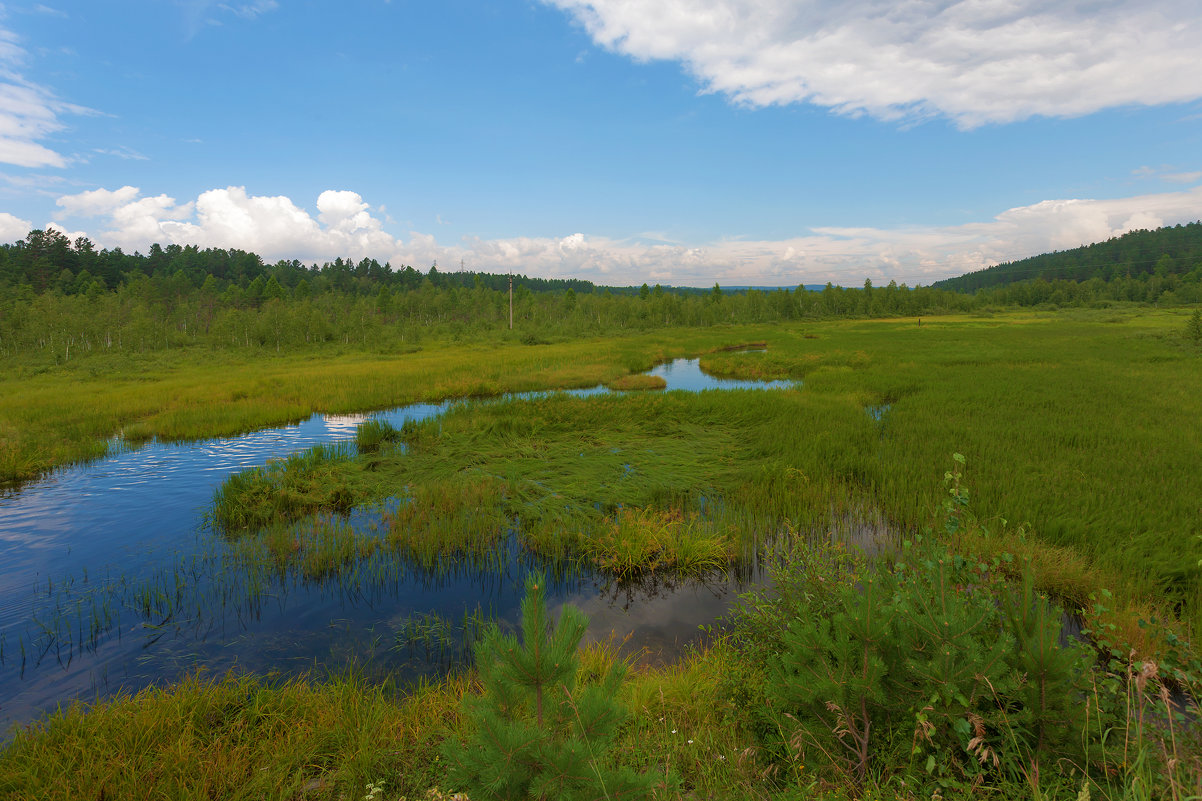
[[276, 228]]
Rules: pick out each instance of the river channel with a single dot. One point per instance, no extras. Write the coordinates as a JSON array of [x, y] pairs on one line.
[[85, 549]]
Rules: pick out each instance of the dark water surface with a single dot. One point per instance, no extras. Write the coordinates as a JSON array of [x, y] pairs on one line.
[[80, 547]]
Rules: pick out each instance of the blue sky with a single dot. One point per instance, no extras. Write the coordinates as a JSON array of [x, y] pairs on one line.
[[765, 142]]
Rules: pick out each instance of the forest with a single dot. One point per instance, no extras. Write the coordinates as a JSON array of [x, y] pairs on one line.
[[61, 299], [1172, 255]]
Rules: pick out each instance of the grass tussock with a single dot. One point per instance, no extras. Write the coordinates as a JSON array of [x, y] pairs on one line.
[[464, 515], [645, 540], [373, 434], [637, 383], [284, 490]]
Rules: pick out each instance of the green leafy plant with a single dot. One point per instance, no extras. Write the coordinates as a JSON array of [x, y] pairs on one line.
[[537, 732]]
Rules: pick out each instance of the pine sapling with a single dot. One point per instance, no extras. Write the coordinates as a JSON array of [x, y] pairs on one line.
[[537, 734]]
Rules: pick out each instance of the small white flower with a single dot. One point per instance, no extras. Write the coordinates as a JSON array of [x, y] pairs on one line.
[[674, 731], [690, 742]]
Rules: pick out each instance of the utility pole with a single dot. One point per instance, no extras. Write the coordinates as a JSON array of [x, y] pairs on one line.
[[511, 301]]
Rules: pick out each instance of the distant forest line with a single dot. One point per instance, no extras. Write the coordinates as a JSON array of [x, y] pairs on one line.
[[63, 299]]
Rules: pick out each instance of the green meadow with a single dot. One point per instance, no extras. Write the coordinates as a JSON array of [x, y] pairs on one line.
[[1079, 476]]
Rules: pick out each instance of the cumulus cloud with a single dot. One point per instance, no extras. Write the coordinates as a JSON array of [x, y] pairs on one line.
[[13, 228], [974, 61], [276, 228], [28, 113]]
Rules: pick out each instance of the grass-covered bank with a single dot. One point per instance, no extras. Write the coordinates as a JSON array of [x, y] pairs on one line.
[[52, 416]]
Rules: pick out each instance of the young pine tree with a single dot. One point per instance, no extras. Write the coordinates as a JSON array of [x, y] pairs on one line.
[[537, 734], [1193, 329]]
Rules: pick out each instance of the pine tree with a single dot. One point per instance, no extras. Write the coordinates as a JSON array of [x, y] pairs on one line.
[[537, 734], [1193, 329]]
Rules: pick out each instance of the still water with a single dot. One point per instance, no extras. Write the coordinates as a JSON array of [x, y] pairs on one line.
[[80, 547]]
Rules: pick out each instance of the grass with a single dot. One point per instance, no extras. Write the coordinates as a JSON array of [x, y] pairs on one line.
[[238, 737], [329, 737], [374, 434], [634, 383]]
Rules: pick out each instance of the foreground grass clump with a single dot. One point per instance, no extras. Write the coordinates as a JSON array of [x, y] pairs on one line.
[[236, 737], [448, 516], [284, 489], [373, 434], [638, 540]]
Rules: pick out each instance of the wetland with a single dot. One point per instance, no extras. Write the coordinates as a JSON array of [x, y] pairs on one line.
[[365, 547]]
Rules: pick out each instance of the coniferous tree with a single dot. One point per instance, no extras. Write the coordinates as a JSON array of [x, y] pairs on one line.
[[1193, 328], [537, 733]]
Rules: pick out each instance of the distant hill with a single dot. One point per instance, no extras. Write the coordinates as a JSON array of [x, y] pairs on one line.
[[1164, 252]]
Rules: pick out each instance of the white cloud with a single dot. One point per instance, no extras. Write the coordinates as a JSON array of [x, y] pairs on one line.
[[13, 228], [276, 228], [251, 10], [28, 112], [122, 152], [974, 61]]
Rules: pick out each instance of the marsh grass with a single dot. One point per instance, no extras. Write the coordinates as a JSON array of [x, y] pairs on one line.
[[446, 516], [284, 490], [629, 483], [634, 541], [633, 383], [237, 737], [373, 434], [193, 393], [1071, 423]]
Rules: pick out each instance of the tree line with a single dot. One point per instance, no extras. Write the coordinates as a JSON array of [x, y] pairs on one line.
[[61, 300]]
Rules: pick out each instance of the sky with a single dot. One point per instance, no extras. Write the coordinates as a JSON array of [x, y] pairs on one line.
[[683, 142]]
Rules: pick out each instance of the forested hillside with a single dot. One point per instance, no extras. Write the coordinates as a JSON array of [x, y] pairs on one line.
[[1171, 255]]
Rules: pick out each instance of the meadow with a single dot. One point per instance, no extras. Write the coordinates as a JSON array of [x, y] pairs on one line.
[[1079, 473]]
